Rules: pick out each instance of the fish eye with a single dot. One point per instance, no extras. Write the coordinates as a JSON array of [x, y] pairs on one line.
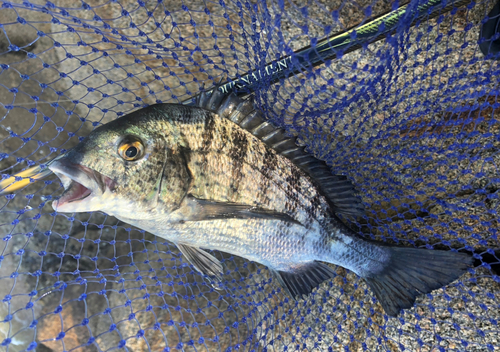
[[131, 150]]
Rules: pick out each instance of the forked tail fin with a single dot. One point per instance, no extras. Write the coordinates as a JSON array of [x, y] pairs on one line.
[[411, 272]]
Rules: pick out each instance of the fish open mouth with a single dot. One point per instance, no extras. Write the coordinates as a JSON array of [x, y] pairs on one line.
[[75, 192], [82, 186]]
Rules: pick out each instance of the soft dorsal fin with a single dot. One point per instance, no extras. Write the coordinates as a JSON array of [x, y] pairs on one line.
[[336, 188]]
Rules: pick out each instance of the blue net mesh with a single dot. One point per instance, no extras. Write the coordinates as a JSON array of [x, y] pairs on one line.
[[411, 119]]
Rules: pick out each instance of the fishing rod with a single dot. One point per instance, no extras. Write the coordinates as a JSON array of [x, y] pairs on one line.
[[345, 42]]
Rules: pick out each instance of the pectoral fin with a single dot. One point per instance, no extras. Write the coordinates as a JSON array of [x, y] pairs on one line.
[[204, 262], [210, 210]]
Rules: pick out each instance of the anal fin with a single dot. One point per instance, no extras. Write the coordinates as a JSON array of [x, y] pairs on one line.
[[204, 262], [302, 280]]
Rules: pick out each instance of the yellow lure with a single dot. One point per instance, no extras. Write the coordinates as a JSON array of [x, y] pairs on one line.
[[33, 174]]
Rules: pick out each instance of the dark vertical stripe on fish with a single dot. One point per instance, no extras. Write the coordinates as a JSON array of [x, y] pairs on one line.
[[315, 205], [187, 117], [238, 153], [208, 132], [269, 164], [292, 181], [207, 138]]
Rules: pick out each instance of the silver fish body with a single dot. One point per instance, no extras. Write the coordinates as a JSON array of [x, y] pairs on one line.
[[220, 177], [207, 149]]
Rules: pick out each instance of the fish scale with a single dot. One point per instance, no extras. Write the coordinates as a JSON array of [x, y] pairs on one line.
[[243, 237], [261, 171], [219, 176]]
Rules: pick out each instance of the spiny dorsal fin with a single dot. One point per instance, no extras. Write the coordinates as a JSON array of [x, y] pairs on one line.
[[336, 188]]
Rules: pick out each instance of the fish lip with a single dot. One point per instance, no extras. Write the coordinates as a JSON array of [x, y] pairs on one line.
[[81, 184]]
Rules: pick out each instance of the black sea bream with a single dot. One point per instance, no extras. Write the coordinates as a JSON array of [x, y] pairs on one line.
[[218, 176]]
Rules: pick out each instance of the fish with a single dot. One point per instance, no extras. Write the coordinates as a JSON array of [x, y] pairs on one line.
[[489, 35], [220, 176]]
